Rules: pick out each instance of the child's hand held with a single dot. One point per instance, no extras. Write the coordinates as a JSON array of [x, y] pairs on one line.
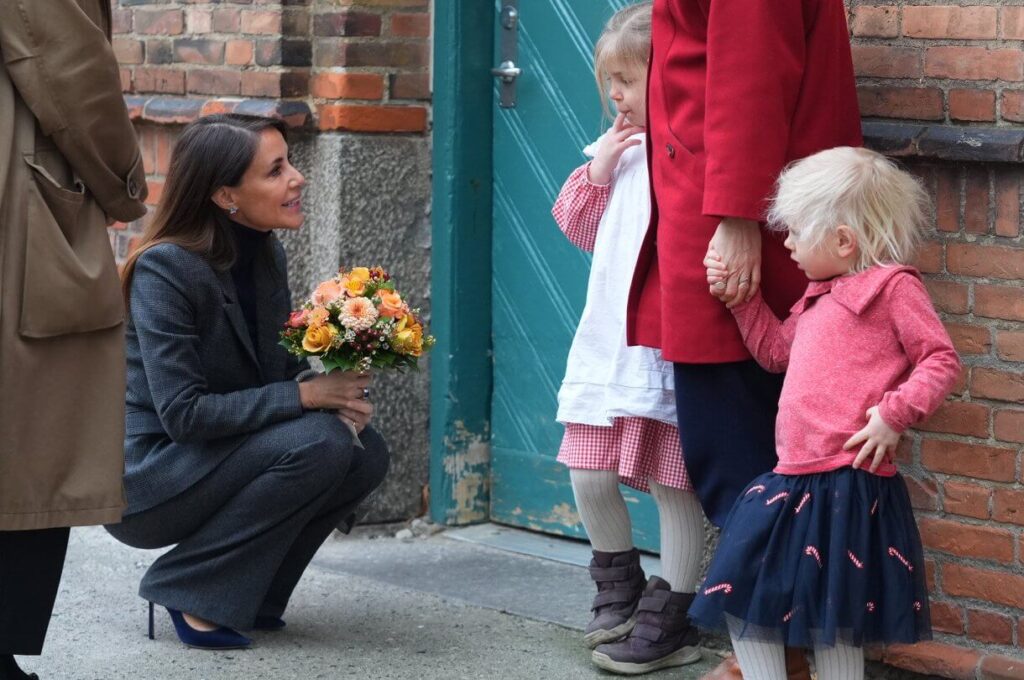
[[610, 150], [878, 440]]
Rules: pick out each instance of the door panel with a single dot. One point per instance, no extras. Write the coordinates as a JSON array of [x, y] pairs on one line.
[[539, 278]]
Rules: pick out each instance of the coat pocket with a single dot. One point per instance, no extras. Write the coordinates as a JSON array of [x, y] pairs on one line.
[[70, 282]]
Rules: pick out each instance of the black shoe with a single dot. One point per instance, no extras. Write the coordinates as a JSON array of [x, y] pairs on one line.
[[10, 670]]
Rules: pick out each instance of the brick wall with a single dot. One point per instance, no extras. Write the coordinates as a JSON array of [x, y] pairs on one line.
[[942, 84]]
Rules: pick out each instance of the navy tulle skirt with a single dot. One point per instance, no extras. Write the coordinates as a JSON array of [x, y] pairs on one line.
[[808, 559]]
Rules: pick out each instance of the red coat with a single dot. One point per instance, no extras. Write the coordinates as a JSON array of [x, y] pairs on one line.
[[736, 89]]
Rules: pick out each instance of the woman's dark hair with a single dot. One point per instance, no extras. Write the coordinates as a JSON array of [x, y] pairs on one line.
[[212, 152]]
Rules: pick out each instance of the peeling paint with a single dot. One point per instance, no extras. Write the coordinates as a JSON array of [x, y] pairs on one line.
[[467, 464]]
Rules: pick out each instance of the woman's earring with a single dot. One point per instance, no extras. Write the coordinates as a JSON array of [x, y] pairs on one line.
[[232, 210]]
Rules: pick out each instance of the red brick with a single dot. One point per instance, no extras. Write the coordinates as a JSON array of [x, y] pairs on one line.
[[997, 667], [162, 80], [199, 20], [999, 302], [990, 383], [385, 3], [1010, 345], [978, 22], [966, 540], [924, 493], [1008, 506], [960, 386], [972, 105], [947, 617], [883, 61], [261, 22], [947, 211], [408, 25], [227, 20], [966, 498], [410, 86], [990, 627], [258, 84], [919, 103], [121, 21], [983, 584], [1012, 107], [929, 574], [347, 86], [875, 22], [159, 22], [127, 51], [347, 24], [238, 52], [970, 339], [1008, 206], [164, 145], [969, 460], [402, 54], [991, 261], [1013, 23], [214, 81], [126, 79], [1008, 425], [199, 51], [948, 296], [976, 201], [929, 257], [958, 417], [974, 63], [156, 190], [934, 658], [147, 148], [373, 118]]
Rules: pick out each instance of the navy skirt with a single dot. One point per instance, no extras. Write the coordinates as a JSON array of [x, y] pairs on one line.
[[809, 559]]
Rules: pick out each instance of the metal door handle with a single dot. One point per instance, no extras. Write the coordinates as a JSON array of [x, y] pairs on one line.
[[507, 71]]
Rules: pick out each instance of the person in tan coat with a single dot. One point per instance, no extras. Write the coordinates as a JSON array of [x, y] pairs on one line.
[[69, 166]]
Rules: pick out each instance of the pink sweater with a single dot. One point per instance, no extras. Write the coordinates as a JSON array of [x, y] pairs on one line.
[[870, 339]]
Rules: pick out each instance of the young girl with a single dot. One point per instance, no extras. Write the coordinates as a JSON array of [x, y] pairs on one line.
[[823, 552], [617, 402]]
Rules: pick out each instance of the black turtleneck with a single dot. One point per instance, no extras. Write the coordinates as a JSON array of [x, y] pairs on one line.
[[249, 245]]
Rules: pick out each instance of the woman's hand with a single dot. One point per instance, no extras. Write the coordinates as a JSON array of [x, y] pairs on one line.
[[878, 438], [334, 391], [357, 415], [738, 243], [611, 148]]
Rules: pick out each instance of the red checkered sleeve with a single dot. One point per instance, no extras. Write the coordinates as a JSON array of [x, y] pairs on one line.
[[579, 207]]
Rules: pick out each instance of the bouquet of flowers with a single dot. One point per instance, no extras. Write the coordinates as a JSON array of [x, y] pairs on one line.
[[357, 321]]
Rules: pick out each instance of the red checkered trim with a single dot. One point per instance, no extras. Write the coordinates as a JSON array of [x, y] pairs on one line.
[[579, 208]]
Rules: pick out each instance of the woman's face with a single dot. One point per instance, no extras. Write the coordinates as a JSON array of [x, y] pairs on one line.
[[270, 193]]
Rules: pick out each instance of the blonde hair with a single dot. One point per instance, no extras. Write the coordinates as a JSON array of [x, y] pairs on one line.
[[625, 40], [886, 207]]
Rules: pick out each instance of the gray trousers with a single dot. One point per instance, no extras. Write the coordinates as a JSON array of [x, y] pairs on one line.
[[246, 532]]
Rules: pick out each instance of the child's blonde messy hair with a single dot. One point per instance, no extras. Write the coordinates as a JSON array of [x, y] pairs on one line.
[[886, 207], [625, 42]]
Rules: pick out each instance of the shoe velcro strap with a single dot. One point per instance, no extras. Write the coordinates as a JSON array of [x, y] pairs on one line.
[[612, 573], [652, 604], [616, 596], [647, 632]]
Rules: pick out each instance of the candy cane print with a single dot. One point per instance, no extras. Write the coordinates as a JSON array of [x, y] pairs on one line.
[[917, 605], [756, 488], [789, 615], [893, 552], [853, 558], [802, 503], [874, 506], [777, 497], [870, 606], [724, 587], [811, 551]]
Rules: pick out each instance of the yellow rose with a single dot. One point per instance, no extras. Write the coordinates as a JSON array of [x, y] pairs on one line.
[[408, 339], [318, 339]]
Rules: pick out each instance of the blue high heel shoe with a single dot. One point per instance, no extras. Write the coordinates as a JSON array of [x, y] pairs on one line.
[[221, 638]]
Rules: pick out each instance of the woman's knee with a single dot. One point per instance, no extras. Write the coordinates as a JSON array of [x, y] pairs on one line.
[[375, 454]]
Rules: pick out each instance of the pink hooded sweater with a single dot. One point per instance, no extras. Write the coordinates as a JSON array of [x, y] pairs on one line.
[[853, 342]]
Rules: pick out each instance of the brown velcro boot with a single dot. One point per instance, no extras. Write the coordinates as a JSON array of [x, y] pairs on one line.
[[620, 581], [662, 637]]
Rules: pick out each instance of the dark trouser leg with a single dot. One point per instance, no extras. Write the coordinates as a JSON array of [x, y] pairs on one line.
[[235, 527], [31, 563], [365, 473], [727, 427]]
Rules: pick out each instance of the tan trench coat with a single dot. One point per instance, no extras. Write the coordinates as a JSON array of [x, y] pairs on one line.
[[69, 163]]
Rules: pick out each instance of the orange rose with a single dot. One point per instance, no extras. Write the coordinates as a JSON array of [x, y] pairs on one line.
[[391, 304], [327, 292], [318, 317]]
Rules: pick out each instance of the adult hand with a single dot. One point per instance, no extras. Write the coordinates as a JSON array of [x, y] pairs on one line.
[[334, 391], [358, 414], [879, 439], [738, 242], [611, 148]]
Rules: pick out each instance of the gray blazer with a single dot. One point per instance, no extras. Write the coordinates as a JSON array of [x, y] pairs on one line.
[[196, 384]]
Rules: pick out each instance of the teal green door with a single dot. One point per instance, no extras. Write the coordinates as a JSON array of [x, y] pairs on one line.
[[539, 278]]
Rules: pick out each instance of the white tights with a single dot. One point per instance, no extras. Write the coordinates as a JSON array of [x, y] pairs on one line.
[[762, 660], [606, 519]]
